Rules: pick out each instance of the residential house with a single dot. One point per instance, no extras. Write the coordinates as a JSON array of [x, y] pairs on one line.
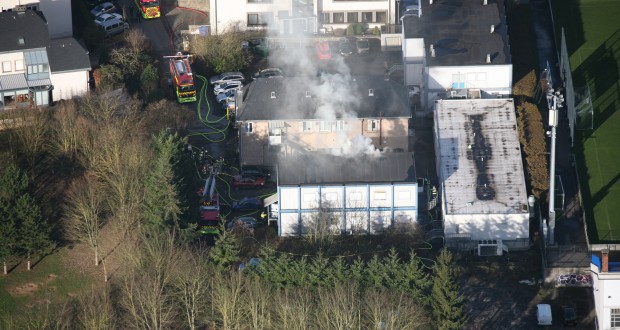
[[319, 194], [35, 69], [284, 116], [56, 12], [300, 16], [456, 51], [482, 182], [605, 268]]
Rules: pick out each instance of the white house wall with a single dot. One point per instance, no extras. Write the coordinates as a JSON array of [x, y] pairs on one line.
[[360, 208], [497, 77], [12, 57], [488, 226], [606, 289], [68, 85], [225, 13]]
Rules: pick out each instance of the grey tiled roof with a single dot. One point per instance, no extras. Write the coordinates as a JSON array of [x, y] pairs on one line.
[[67, 54], [29, 25]]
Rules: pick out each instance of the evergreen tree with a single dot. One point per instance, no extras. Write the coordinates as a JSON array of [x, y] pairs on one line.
[[8, 232], [13, 184], [34, 231], [415, 280], [338, 272], [318, 271], [357, 271], [393, 277], [375, 273], [446, 300], [226, 250]]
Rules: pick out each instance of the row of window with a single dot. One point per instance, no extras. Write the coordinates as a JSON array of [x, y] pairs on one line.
[[380, 195], [275, 128], [615, 318], [355, 17], [8, 67], [459, 79]]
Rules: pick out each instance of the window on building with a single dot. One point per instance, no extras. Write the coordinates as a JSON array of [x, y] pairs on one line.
[[248, 127], [324, 126], [373, 125], [367, 17], [339, 125], [458, 80], [615, 317], [380, 195], [381, 17], [327, 18], [309, 197], [355, 196], [260, 19], [338, 17], [307, 126], [260, 1], [331, 196], [404, 195], [6, 66], [352, 17], [19, 65]]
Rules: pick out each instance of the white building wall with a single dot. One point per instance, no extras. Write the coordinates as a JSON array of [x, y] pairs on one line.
[[57, 14], [12, 58], [360, 207], [496, 77], [488, 226], [224, 14], [606, 290], [68, 85]]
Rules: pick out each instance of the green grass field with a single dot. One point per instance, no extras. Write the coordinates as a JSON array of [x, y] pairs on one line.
[[592, 29]]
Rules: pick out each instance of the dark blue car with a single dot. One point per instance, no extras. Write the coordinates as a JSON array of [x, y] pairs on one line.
[[247, 204]]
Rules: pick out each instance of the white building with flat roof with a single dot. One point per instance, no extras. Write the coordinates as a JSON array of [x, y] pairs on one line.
[[483, 193]]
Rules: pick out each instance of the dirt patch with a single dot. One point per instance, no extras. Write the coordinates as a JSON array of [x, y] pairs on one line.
[[23, 290]]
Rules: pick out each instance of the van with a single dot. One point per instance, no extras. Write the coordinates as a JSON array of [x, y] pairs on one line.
[[543, 314], [113, 27]]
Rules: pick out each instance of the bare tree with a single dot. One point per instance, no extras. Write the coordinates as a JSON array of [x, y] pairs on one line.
[[66, 129], [136, 41], [96, 310], [321, 228], [257, 303], [338, 307], [226, 297], [293, 309], [391, 310], [84, 214], [192, 285], [32, 133]]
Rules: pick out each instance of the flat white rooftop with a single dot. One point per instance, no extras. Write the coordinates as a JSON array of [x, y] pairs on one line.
[[479, 157]]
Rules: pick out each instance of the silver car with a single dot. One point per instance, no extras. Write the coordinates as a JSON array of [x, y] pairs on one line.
[[223, 88], [226, 77], [103, 8]]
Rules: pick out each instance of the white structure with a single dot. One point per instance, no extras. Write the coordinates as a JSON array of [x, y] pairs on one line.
[[57, 14], [606, 290], [457, 51], [480, 171], [34, 69], [299, 16], [344, 195]]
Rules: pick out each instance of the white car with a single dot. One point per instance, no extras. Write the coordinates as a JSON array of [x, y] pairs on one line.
[[223, 88], [103, 8], [226, 96], [108, 17], [226, 77]]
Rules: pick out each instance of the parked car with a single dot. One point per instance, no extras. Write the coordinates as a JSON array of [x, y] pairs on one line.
[[249, 222], [226, 96], [363, 46], [344, 48], [107, 17], [255, 171], [113, 27], [223, 88], [247, 204], [269, 73], [103, 8], [240, 181], [226, 77], [323, 51], [569, 315], [253, 262]]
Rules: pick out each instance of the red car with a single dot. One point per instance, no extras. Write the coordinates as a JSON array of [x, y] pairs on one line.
[[323, 51], [240, 181]]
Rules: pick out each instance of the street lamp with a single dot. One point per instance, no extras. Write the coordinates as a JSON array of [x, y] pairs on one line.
[[554, 102]]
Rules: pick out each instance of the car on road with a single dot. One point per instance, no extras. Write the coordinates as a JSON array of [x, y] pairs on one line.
[[344, 48], [223, 88], [247, 204], [248, 222], [226, 96], [103, 8], [323, 51], [108, 17], [240, 181], [255, 171], [226, 77], [363, 46]]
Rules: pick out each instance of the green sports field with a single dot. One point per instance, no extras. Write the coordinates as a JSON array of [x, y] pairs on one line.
[[592, 29]]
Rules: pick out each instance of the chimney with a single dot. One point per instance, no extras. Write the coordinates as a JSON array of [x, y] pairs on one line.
[[273, 95], [432, 50], [488, 58], [371, 92], [604, 261], [430, 2], [307, 93], [485, 2], [493, 28]]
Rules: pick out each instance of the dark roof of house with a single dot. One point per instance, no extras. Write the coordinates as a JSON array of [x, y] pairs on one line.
[[319, 168], [282, 98], [460, 32], [29, 25], [67, 54]]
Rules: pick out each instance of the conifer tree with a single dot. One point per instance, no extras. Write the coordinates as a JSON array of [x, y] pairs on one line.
[[446, 299], [34, 231], [226, 250]]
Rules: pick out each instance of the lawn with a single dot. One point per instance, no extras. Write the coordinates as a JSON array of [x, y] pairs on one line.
[[592, 31]]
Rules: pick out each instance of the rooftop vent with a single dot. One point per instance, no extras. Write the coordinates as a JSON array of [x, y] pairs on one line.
[[273, 95], [493, 28], [20, 40], [307, 93], [371, 92], [430, 2], [488, 58], [432, 50], [20, 9], [485, 2]]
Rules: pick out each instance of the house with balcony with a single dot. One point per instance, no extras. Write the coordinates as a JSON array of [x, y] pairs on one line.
[[37, 70], [56, 12], [300, 16], [605, 269], [286, 116], [456, 52]]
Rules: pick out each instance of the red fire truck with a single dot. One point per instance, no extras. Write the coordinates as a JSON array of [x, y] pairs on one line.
[[182, 77], [148, 8]]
